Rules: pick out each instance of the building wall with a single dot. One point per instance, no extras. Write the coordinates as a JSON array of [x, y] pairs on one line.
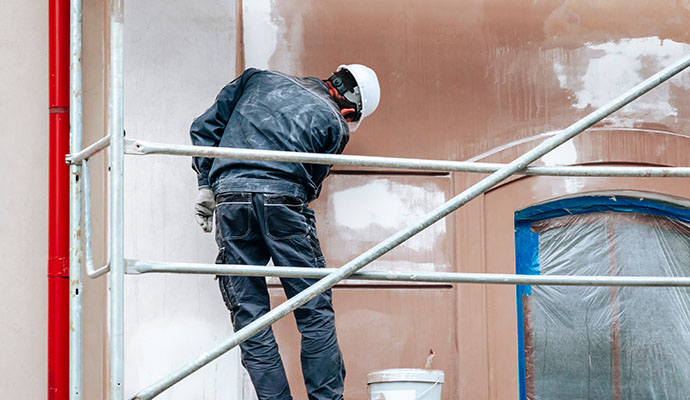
[[24, 199], [178, 55], [487, 80]]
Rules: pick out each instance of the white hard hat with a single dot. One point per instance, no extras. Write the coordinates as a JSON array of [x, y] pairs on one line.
[[367, 88]]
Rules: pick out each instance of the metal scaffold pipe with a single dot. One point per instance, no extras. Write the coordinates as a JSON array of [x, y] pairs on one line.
[[91, 272], [79, 157], [404, 234], [76, 239], [141, 147], [116, 171], [145, 267]]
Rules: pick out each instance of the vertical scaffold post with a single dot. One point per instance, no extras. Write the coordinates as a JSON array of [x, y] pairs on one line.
[[116, 168], [76, 242]]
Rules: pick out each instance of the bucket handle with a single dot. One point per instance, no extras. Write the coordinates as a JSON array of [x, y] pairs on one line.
[[428, 389]]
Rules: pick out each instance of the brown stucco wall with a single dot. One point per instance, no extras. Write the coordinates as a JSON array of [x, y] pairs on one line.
[[483, 80]]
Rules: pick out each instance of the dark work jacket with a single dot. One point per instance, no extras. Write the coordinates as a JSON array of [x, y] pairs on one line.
[[269, 111]]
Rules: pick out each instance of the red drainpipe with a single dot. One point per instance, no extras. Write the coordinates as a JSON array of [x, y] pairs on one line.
[[58, 208]]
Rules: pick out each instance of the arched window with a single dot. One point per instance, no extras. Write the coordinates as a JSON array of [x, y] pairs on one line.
[[580, 342]]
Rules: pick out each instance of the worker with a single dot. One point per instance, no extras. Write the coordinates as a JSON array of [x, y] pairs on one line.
[[262, 212]]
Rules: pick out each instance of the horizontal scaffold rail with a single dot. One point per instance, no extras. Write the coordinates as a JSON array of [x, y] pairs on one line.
[[141, 147], [89, 151], [136, 267]]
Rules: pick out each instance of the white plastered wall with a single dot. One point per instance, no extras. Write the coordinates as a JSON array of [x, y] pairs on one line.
[[178, 55], [23, 199]]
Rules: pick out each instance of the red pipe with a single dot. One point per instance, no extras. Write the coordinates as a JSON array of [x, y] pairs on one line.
[[58, 207]]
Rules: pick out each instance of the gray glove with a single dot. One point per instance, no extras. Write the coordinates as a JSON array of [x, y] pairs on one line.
[[203, 209]]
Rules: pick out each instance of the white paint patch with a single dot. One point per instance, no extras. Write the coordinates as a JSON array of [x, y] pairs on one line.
[[573, 184], [565, 154], [260, 33], [382, 205], [615, 67]]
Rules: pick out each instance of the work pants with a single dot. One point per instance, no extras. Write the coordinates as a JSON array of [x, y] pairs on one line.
[[250, 229]]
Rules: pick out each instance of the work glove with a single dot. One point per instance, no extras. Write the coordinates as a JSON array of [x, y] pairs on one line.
[[203, 209]]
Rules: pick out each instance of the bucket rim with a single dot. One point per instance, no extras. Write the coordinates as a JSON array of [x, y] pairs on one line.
[[406, 375]]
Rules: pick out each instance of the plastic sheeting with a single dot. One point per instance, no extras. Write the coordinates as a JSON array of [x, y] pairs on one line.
[[602, 342]]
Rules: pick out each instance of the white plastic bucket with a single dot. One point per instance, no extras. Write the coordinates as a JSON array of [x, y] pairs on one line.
[[405, 384]]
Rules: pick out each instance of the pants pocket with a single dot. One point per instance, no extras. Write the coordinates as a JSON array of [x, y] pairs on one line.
[[284, 217], [233, 216], [228, 293], [226, 288], [319, 261], [220, 258]]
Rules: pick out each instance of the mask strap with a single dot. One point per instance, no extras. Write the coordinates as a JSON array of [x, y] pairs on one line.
[[338, 84]]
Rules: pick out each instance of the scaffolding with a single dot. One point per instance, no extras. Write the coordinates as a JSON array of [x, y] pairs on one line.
[[118, 266]]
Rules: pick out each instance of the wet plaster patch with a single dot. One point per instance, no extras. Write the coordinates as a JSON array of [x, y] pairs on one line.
[[382, 205], [613, 67]]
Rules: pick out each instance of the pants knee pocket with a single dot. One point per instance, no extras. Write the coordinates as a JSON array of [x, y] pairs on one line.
[[319, 260], [228, 293], [225, 284]]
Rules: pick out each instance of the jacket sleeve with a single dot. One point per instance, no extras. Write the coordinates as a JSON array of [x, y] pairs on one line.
[[336, 146], [208, 128]]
